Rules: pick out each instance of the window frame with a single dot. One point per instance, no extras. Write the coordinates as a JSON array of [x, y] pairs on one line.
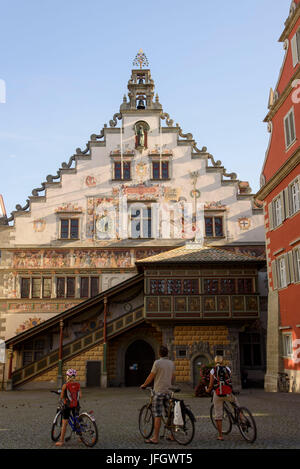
[[294, 198], [89, 285], [160, 169], [287, 119], [295, 48], [213, 217], [69, 220], [30, 280], [143, 220], [119, 162], [287, 350]]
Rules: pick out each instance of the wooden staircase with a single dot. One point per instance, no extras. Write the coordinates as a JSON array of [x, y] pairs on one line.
[[113, 328]]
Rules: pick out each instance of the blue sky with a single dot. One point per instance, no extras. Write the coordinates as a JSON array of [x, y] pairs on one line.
[[66, 65]]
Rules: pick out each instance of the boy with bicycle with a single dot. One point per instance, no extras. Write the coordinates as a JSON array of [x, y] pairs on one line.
[[70, 395]]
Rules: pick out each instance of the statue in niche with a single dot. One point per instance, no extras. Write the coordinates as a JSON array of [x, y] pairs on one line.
[[141, 130], [140, 136]]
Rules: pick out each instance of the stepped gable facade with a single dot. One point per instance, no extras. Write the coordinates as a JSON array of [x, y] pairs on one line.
[[141, 187]]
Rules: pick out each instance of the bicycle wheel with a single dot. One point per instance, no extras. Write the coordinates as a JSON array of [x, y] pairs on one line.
[[87, 431], [246, 424], [56, 426], [226, 421], [146, 421], [184, 434]]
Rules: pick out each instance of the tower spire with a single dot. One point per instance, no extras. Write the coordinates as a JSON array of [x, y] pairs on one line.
[[140, 60]]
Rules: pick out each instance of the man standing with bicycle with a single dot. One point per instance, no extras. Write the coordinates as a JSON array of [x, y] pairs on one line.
[[163, 374], [220, 382]]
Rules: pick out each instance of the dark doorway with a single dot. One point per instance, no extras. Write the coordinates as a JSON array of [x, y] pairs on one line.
[[198, 362], [93, 373], [139, 359]]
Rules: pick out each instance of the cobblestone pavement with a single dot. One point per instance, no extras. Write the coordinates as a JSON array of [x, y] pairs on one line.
[[26, 419]]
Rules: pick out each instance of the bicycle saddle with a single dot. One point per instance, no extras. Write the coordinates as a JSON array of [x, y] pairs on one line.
[[175, 389]]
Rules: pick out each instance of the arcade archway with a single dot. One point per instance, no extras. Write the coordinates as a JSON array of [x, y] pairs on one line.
[[139, 359]]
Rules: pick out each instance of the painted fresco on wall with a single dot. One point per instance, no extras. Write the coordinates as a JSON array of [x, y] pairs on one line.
[[27, 259], [141, 192], [54, 258], [81, 258], [144, 253], [69, 207], [215, 205], [79, 329], [38, 307], [102, 258], [28, 324], [9, 285], [253, 251], [101, 217]]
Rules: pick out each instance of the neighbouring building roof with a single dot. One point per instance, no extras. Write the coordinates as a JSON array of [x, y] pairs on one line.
[[192, 254]]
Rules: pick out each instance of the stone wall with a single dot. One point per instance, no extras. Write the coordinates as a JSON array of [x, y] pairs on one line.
[[197, 340], [78, 362]]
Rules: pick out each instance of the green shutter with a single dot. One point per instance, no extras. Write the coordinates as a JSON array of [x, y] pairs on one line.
[[274, 274]]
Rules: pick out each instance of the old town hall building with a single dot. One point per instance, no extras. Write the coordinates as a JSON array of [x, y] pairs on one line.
[[139, 239]]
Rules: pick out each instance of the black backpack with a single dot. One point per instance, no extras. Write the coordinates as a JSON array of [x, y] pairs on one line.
[[223, 383]]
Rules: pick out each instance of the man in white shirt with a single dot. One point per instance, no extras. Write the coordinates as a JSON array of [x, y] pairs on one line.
[[163, 374]]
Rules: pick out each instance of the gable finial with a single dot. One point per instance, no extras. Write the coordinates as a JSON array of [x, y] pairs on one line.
[[140, 59]]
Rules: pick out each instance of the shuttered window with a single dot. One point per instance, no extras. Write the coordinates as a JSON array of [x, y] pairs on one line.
[[289, 128], [295, 42], [277, 210], [296, 258], [282, 272], [287, 345], [294, 196]]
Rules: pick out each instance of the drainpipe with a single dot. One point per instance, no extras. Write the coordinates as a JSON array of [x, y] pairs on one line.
[[60, 355], [104, 364]]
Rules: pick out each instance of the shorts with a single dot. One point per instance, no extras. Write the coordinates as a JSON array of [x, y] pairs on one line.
[[67, 411], [160, 400], [218, 404]]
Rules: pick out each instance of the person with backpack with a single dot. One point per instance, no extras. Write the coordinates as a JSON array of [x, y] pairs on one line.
[[70, 395], [220, 382]]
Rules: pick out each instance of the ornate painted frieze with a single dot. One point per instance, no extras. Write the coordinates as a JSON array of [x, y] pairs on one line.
[[69, 207]]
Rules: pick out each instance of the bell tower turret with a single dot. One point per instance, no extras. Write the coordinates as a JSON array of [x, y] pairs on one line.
[[140, 87]]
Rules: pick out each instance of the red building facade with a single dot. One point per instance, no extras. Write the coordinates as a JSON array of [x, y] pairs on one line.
[[280, 191]]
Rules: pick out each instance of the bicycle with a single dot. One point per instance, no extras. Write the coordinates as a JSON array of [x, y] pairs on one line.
[[182, 434], [83, 425], [283, 382], [239, 416]]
